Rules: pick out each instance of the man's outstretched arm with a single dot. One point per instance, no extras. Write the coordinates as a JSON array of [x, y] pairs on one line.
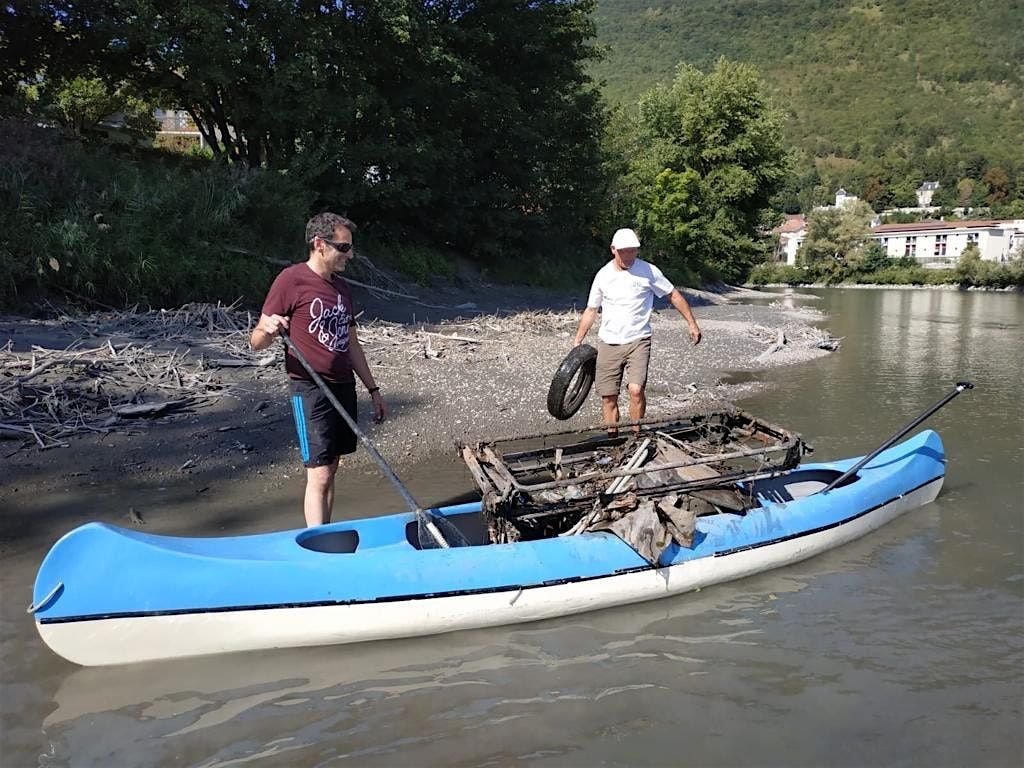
[[679, 302]]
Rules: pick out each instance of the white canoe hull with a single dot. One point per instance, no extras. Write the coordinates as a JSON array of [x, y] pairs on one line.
[[143, 638]]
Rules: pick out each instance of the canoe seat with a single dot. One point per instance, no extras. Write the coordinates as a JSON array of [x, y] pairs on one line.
[[797, 484], [333, 542]]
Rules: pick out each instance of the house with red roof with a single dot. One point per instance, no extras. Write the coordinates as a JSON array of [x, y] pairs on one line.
[[791, 235]]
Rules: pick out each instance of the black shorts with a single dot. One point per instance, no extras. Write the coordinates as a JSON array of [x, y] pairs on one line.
[[323, 433]]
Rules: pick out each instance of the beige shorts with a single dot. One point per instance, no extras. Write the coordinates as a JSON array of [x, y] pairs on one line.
[[613, 359]]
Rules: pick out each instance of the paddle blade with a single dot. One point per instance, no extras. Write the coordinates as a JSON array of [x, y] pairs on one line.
[[438, 532]]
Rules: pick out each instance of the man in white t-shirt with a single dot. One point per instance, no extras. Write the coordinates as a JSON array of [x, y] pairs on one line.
[[624, 291]]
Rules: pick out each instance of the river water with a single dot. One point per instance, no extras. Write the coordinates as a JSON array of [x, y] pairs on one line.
[[903, 648]]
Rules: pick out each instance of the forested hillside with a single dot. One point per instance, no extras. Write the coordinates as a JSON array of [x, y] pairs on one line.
[[477, 130], [880, 95]]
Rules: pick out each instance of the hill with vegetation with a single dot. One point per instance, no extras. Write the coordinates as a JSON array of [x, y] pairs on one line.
[[476, 131], [880, 95]]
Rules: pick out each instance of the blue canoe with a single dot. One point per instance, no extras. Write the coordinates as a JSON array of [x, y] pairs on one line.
[[107, 595]]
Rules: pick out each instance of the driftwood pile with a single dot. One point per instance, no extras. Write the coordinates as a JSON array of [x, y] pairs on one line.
[[222, 326], [800, 336], [103, 383], [158, 364]]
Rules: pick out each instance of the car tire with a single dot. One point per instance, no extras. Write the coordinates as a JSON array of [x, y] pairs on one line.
[[572, 382]]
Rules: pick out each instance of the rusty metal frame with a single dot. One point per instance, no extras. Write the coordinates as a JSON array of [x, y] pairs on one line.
[[498, 482]]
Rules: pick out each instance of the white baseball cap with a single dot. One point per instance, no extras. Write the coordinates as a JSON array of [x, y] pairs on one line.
[[625, 238]]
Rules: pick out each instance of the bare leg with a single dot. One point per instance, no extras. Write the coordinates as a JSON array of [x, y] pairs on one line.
[[319, 498], [637, 403], [610, 411]]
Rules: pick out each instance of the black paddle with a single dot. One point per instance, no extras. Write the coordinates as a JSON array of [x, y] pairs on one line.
[[960, 387], [429, 525]]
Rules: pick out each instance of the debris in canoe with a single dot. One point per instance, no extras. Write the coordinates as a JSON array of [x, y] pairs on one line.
[[647, 486]]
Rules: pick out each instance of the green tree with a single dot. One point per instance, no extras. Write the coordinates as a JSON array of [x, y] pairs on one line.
[[706, 158], [1012, 209], [911, 90], [876, 194], [83, 102], [969, 264], [27, 39], [472, 125], [965, 192], [874, 257], [837, 236]]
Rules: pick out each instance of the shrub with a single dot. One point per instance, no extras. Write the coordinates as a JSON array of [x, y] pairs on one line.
[[422, 263], [873, 258], [127, 227], [764, 274]]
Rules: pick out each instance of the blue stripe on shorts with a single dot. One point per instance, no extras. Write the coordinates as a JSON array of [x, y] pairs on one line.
[[300, 426]]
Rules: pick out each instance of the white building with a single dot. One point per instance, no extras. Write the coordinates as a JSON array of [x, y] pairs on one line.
[[932, 243], [177, 122], [791, 236], [940, 243], [844, 198], [925, 192]]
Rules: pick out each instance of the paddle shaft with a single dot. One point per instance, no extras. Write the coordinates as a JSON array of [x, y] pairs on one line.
[[960, 387], [370, 447]]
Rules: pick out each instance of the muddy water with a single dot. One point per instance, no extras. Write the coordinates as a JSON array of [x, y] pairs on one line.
[[904, 648]]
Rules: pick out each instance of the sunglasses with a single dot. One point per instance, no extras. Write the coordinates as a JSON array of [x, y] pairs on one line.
[[343, 247]]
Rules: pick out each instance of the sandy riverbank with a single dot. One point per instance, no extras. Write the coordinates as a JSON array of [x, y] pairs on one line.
[[491, 381]]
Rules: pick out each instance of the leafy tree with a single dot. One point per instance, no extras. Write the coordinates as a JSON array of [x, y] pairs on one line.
[[874, 257], [971, 269], [26, 40], [83, 102], [998, 183], [1013, 209], [969, 266], [707, 156], [837, 236], [965, 192], [904, 191], [877, 194], [472, 125], [909, 90]]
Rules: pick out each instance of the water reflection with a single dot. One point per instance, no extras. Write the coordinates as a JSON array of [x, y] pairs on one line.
[[389, 702]]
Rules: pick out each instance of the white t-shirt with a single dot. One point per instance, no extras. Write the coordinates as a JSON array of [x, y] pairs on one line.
[[626, 298]]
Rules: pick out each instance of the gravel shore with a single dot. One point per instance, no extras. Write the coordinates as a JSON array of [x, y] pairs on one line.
[[489, 381], [497, 385]]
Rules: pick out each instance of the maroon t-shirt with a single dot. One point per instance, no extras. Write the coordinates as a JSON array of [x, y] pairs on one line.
[[321, 317]]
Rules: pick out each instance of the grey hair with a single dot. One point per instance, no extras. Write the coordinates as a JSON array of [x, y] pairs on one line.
[[323, 225]]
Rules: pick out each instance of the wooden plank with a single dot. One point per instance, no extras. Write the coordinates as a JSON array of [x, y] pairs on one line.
[[722, 498], [482, 480], [505, 480]]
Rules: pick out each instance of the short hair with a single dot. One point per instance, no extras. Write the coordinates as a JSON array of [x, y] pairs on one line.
[[323, 225]]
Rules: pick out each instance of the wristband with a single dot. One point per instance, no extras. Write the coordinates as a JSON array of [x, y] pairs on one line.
[[371, 390]]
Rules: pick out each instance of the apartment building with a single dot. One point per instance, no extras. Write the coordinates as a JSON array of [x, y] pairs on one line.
[[937, 244]]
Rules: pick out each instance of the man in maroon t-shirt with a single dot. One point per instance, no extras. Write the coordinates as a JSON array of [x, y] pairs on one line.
[[313, 302]]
